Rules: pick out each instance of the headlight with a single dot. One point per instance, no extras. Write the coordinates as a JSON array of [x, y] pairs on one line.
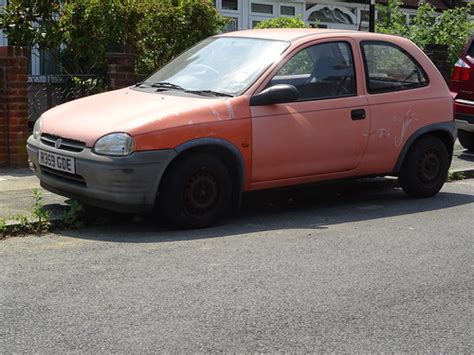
[[37, 128], [117, 144]]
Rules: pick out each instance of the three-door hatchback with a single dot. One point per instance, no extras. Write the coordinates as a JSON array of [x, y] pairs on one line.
[[252, 110]]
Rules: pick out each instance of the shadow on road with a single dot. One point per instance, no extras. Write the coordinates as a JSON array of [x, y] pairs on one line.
[[466, 156], [316, 207]]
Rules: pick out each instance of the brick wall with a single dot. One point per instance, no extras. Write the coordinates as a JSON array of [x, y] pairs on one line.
[[13, 107], [121, 69], [438, 54]]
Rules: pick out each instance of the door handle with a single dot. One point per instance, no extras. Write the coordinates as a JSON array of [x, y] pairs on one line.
[[358, 114]]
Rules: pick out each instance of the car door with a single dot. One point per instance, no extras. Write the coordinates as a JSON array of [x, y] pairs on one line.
[[326, 129], [401, 101]]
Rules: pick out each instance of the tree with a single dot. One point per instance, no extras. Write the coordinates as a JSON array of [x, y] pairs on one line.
[[282, 22], [78, 32], [170, 27], [451, 28]]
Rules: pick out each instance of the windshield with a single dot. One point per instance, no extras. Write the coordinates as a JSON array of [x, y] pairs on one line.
[[226, 65]]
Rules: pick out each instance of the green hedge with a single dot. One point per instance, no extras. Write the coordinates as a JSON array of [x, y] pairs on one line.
[[78, 32]]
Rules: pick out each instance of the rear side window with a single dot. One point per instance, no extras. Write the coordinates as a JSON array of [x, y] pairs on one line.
[[389, 68]]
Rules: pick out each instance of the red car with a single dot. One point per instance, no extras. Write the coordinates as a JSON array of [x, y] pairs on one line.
[[252, 110], [462, 84]]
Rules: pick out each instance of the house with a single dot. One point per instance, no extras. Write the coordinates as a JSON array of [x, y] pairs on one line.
[[245, 14], [353, 15]]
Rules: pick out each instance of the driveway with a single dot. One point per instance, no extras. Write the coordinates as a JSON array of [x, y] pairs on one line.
[[354, 268]]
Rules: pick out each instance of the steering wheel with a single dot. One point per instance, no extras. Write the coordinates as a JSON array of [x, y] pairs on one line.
[[413, 72], [206, 69]]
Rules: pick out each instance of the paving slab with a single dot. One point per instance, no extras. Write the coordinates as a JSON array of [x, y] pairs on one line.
[[463, 160], [16, 194]]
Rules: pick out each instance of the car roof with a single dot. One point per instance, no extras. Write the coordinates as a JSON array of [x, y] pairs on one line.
[[293, 34]]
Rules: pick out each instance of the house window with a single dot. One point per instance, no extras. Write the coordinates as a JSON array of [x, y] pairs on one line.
[[364, 19], [287, 10], [230, 5], [364, 15], [262, 8], [232, 24], [255, 23]]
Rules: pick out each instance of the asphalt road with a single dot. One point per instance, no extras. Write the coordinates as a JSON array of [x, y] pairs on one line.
[[351, 268]]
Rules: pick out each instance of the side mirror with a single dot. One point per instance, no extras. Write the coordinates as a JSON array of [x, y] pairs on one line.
[[276, 94]]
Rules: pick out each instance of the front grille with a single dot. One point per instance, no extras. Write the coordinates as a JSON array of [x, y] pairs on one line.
[[69, 145], [66, 177]]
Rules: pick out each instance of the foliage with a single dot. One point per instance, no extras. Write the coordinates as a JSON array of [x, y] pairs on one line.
[[391, 19], [39, 212], [170, 27], [77, 33], [3, 227], [72, 217], [282, 22], [301, 63], [452, 28], [28, 23], [455, 175], [22, 225]]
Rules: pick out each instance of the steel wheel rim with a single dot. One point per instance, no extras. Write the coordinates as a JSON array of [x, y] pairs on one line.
[[201, 193], [429, 167]]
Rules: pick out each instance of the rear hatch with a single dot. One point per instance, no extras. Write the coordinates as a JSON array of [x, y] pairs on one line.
[[462, 81]]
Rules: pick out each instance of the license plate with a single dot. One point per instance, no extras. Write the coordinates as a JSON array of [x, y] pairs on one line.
[[57, 162]]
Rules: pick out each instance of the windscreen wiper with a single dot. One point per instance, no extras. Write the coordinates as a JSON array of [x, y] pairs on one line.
[[163, 85], [167, 85], [208, 93]]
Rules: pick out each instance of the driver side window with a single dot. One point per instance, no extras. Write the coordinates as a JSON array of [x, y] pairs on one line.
[[321, 71]]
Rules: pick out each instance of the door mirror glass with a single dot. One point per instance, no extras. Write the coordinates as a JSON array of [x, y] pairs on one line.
[[276, 94]]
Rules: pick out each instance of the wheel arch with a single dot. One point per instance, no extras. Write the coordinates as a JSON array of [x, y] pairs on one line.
[[224, 150], [445, 131]]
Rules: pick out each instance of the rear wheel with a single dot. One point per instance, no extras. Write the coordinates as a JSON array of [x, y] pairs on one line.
[[196, 192], [425, 168], [466, 139]]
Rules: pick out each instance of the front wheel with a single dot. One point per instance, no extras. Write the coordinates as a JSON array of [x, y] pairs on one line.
[[425, 168], [196, 192]]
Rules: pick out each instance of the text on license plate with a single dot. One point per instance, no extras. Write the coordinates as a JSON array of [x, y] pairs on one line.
[[57, 162]]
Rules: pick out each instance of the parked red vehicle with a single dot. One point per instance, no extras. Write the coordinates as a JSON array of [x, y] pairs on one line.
[[462, 84]]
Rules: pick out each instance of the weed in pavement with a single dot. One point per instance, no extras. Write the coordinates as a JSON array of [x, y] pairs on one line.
[[454, 176], [38, 212], [73, 216]]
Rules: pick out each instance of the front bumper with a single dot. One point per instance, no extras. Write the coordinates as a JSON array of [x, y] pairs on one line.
[[124, 184], [464, 114]]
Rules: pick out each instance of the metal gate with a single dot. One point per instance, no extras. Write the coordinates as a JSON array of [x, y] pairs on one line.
[[47, 91]]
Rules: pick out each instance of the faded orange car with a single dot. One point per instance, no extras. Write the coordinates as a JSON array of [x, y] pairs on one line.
[[252, 110]]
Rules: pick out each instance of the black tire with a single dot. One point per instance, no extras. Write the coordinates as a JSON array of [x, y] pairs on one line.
[[466, 139], [425, 168], [196, 192]]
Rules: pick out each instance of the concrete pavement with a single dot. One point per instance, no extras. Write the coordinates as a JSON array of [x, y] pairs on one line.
[[462, 159], [16, 196]]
